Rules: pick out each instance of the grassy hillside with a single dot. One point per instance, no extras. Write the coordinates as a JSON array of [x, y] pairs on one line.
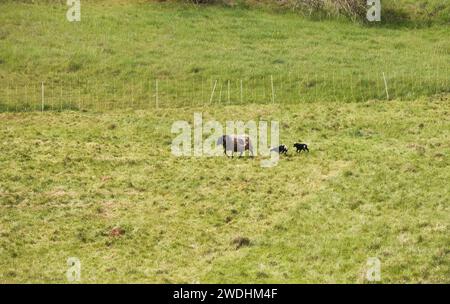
[[416, 12], [393, 12], [81, 180], [115, 55], [105, 189]]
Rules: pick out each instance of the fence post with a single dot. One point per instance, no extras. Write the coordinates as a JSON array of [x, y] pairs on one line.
[[132, 94], [212, 93], [228, 90], [264, 88], [42, 96], [273, 91], [8, 98], [79, 93], [241, 92], [26, 97], [17, 94], [385, 86], [202, 92], [156, 93]]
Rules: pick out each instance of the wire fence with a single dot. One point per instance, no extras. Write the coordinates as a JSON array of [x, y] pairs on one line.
[[288, 88]]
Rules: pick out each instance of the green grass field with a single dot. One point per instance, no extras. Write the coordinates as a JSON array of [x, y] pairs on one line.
[[92, 176], [373, 185], [112, 58]]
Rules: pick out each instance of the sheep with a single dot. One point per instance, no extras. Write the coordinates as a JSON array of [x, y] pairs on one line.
[[235, 143], [282, 149], [301, 147]]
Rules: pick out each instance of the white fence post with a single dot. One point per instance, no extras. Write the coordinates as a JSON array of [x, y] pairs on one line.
[[241, 92], [156, 93], [42, 96], [228, 91], [385, 86], [212, 93], [273, 91]]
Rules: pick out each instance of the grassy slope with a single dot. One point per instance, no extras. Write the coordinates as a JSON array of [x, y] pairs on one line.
[[393, 12], [373, 185], [119, 49], [418, 11]]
